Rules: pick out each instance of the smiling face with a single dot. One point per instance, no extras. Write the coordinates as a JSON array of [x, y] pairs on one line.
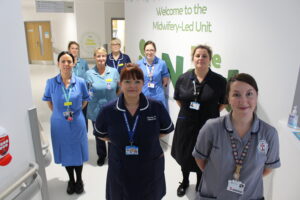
[[100, 58], [65, 64], [201, 59], [74, 50], [132, 88], [150, 52], [242, 98]]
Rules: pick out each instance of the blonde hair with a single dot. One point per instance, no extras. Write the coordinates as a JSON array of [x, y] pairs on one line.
[[116, 40], [100, 50]]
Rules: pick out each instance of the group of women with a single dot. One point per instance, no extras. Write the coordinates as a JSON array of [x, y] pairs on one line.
[[127, 106]]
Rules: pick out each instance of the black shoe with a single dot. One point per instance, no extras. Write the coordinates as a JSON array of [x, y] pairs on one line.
[[100, 161], [79, 187], [181, 189], [71, 187]]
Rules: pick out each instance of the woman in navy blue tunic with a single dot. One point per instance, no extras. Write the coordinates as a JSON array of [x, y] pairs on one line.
[[66, 95], [133, 125]]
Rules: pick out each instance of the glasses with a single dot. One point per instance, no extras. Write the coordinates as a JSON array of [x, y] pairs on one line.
[[149, 50], [115, 44]]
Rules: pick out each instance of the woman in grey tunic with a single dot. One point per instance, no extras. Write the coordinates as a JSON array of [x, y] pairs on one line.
[[235, 151]]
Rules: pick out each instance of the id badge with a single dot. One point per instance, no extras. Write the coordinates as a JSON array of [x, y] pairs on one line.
[[68, 115], [131, 150], [195, 105], [236, 186], [108, 85], [67, 103], [151, 85]]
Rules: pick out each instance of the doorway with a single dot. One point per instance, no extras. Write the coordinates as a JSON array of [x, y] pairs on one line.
[[118, 30], [39, 43]]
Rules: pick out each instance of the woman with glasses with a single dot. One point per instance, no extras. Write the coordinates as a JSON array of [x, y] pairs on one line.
[[156, 74]]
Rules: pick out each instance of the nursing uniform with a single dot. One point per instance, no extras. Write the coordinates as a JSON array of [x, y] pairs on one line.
[[69, 138], [214, 145], [134, 177], [153, 76], [103, 88], [118, 64], [209, 94], [80, 68]]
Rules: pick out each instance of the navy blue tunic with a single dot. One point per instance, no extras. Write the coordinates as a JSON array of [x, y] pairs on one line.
[[135, 177], [118, 64]]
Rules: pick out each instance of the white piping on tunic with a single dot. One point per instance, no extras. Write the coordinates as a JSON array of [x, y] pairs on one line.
[[164, 129], [102, 133]]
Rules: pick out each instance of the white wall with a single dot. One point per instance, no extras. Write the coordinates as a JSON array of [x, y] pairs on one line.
[[93, 20], [63, 25], [256, 37], [15, 92]]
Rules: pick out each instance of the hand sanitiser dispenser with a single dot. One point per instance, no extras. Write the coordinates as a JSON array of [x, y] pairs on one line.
[[293, 118]]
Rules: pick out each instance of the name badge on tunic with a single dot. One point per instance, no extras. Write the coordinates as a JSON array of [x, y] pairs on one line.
[[195, 105], [67, 103], [151, 85], [120, 65], [131, 150], [108, 83], [236, 186], [68, 115]]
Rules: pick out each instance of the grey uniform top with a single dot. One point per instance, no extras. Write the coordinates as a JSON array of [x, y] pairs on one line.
[[213, 144]]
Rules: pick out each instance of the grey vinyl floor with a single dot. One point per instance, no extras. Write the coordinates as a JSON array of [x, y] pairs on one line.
[[94, 176]]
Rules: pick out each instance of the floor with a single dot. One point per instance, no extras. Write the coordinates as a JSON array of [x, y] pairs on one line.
[[94, 176]]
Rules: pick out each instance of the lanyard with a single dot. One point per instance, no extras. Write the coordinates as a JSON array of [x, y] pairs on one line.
[[239, 161], [150, 72], [67, 96], [115, 64], [131, 132]]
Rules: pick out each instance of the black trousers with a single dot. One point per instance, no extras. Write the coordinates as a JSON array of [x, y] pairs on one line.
[[84, 111], [100, 146]]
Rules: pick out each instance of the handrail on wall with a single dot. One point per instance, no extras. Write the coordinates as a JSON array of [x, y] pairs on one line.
[[32, 171]]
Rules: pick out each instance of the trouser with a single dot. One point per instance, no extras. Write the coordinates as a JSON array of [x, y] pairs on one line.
[[100, 146], [84, 111]]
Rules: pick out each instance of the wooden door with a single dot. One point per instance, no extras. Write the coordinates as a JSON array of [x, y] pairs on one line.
[[39, 44]]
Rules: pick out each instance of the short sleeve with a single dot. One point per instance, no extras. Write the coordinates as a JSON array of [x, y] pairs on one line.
[[204, 142], [165, 71], [128, 59], [101, 125], [166, 124], [176, 90], [85, 94], [47, 93], [273, 160]]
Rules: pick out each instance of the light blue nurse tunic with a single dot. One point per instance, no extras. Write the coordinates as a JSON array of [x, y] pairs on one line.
[[103, 89], [80, 68], [160, 71], [69, 138]]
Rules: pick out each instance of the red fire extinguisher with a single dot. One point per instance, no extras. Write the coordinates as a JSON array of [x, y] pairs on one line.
[[5, 157]]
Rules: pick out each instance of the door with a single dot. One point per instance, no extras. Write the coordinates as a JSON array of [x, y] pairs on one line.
[[118, 30], [39, 44]]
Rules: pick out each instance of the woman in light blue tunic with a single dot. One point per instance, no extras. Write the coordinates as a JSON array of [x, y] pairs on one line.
[[103, 81], [79, 69], [66, 96], [156, 74]]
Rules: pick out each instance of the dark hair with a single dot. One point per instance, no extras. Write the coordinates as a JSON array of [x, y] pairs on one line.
[[243, 77], [201, 46], [150, 42], [72, 42], [64, 53], [131, 71]]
